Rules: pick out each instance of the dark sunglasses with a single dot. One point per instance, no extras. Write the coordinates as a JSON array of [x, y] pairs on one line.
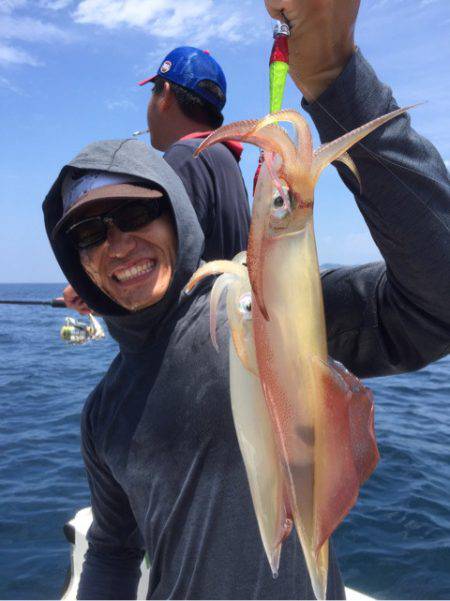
[[128, 218]]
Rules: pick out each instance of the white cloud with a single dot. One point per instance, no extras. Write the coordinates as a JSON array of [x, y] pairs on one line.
[[5, 83], [55, 4], [113, 105], [7, 6], [10, 55], [112, 13], [447, 164], [28, 29], [195, 20]]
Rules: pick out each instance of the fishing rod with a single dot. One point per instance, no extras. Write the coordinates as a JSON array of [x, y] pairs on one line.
[[57, 303]]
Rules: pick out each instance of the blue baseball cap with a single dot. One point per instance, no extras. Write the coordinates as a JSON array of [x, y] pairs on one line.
[[189, 67]]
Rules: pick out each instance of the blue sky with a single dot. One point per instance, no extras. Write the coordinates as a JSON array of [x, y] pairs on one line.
[[68, 73]]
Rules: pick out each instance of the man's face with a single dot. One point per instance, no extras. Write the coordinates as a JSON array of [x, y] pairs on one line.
[[133, 268], [152, 119], [155, 122]]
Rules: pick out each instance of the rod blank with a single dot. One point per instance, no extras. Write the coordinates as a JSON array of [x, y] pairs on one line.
[[56, 302]]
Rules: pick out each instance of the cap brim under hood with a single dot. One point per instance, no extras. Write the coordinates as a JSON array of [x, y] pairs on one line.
[[128, 157]]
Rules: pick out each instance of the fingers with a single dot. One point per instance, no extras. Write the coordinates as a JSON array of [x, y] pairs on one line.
[[82, 308], [275, 8], [74, 301]]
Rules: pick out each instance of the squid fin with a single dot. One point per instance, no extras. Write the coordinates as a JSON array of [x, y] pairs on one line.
[[346, 450]]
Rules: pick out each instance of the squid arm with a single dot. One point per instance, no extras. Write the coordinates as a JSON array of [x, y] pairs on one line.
[[233, 276], [327, 153], [302, 131], [347, 160], [271, 137]]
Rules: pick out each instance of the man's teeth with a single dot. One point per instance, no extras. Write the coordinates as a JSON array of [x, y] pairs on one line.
[[128, 274]]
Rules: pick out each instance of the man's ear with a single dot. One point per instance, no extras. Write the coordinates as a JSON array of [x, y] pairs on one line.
[[166, 97]]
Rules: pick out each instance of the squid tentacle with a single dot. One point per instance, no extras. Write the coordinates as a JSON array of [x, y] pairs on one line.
[[327, 153]]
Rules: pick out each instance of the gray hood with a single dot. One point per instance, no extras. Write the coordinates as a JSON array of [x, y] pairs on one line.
[[130, 157]]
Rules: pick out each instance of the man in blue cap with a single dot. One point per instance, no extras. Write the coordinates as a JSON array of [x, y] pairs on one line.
[[188, 97]]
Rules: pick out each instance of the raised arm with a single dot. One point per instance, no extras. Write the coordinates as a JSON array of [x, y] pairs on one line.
[[394, 316], [111, 568]]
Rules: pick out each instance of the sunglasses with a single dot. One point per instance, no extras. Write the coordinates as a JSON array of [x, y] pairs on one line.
[[132, 216]]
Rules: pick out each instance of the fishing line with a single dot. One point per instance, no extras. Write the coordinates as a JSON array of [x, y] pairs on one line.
[[382, 161]]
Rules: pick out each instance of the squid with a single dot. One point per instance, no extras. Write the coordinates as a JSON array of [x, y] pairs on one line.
[[250, 414], [321, 417]]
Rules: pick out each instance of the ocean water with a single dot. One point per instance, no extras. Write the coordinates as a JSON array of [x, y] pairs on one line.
[[395, 544]]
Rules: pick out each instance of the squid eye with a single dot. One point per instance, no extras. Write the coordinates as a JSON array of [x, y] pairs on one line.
[[278, 202], [245, 305], [281, 204]]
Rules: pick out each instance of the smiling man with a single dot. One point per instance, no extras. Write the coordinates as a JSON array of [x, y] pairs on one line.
[[135, 267]]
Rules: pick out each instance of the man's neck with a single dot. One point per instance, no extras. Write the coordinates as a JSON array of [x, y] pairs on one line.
[[183, 129]]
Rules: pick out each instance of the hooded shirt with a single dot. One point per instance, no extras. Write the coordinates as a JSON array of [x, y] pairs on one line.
[[159, 444], [217, 191]]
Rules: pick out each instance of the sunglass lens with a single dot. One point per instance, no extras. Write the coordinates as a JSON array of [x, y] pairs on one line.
[[127, 218], [136, 215], [88, 233]]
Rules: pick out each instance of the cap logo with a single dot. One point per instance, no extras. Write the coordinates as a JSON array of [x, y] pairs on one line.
[[166, 66]]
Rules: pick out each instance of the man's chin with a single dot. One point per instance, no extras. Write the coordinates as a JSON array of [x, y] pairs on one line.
[[138, 299], [134, 304], [134, 307]]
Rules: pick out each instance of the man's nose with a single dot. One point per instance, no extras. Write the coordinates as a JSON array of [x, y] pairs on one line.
[[119, 243]]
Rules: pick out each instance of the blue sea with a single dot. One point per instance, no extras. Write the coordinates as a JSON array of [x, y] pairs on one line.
[[395, 544]]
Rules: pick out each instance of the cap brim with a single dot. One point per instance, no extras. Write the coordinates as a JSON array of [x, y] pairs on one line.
[[106, 195], [144, 81]]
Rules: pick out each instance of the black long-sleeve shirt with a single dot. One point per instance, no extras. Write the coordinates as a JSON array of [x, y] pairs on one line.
[[158, 437], [217, 191], [393, 316]]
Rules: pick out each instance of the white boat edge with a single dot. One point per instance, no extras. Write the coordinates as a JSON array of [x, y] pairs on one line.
[[76, 531]]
